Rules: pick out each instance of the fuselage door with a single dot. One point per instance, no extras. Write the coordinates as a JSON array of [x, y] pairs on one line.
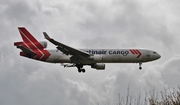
[[147, 56]]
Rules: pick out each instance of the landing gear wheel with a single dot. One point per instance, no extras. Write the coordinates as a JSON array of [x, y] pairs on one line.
[[140, 66], [83, 70], [79, 70]]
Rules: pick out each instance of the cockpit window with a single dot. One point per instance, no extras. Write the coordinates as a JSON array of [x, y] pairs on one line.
[[154, 52]]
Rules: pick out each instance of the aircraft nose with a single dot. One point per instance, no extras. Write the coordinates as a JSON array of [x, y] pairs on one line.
[[158, 56], [155, 56]]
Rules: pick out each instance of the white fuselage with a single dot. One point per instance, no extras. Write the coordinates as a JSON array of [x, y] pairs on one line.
[[34, 49], [105, 56]]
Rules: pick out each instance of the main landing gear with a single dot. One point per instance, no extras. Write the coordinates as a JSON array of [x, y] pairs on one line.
[[140, 66], [80, 68]]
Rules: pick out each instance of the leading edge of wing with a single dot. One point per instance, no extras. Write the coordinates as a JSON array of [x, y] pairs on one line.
[[66, 49]]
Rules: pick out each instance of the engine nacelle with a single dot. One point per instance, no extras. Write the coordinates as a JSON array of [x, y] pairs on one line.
[[98, 66], [43, 43], [96, 58]]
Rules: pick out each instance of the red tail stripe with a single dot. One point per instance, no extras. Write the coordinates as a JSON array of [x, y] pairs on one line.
[[17, 43], [46, 55], [34, 45], [26, 33], [39, 55], [28, 38]]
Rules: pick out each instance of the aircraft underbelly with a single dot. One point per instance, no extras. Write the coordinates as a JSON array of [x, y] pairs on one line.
[[58, 59], [98, 59], [111, 58]]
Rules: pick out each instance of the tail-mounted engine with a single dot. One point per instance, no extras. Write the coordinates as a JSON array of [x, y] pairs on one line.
[[43, 43], [98, 66]]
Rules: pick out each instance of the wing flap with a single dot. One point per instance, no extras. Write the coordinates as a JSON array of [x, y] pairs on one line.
[[66, 49]]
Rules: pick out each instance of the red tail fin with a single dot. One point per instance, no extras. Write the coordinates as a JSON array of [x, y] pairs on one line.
[[30, 41], [30, 46], [26, 36]]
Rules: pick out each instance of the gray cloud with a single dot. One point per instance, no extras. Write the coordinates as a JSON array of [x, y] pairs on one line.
[[101, 24], [126, 20], [170, 71], [19, 11]]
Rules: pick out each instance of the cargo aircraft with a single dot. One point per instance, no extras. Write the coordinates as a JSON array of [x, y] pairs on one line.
[[71, 57]]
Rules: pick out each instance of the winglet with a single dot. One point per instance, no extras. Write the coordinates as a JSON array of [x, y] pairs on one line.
[[46, 36]]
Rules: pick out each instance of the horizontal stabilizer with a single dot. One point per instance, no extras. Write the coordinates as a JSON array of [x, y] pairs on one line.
[[27, 51]]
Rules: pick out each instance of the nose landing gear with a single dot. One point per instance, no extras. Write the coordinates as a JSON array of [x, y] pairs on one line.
[[140, 66]]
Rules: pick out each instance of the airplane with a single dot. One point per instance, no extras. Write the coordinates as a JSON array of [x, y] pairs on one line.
[[96, 58]]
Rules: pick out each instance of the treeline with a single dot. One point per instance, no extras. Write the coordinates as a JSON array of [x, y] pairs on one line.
[[166, 97]]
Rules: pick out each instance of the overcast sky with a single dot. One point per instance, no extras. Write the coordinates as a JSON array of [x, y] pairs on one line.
[[149, 24]]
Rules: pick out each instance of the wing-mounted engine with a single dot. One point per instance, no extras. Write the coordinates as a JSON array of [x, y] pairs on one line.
[[96, 58], [98, 66], [34, 45]]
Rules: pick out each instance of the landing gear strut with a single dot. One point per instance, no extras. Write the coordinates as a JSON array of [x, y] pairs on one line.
[[80, 68], [140, 66]]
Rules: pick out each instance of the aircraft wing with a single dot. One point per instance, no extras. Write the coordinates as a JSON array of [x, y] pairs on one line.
[[27, 51], [66, 49]]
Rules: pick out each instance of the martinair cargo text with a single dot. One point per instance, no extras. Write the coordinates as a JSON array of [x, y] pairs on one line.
[[34, 49]]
